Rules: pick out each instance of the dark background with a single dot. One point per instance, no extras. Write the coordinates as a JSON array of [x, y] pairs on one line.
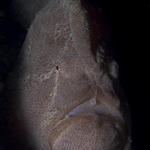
[[130, 26]]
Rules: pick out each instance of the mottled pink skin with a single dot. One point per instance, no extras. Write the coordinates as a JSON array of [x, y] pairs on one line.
[[66, 97]]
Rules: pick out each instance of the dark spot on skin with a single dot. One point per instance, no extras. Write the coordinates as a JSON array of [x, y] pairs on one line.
[[57, 68]]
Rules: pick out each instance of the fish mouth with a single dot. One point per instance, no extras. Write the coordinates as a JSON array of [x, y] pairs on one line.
[[87, 132]]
